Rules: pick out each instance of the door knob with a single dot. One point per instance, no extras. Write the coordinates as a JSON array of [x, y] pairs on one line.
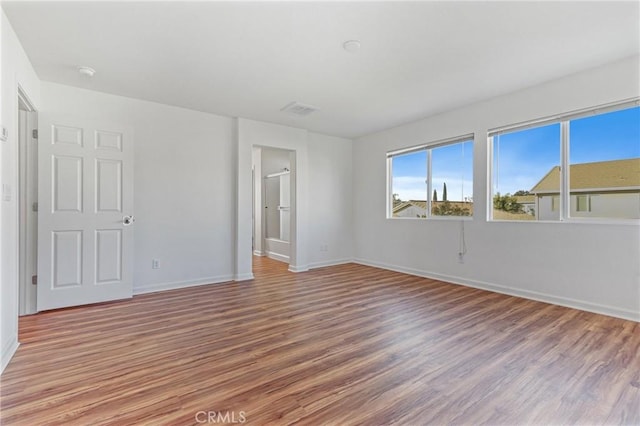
[[128, 220]]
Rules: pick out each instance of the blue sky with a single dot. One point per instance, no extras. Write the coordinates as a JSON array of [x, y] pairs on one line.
[[452, 164], [521, 158]]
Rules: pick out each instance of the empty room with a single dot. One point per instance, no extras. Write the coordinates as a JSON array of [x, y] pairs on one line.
[[321, 213]]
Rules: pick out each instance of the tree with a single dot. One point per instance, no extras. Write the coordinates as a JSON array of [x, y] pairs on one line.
[[447, 209], [435, 195], [507, 203], [444, 192], [521, 192], [396, 199]]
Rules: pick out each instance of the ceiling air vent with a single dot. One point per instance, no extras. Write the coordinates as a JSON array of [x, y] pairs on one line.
[[297, 108]]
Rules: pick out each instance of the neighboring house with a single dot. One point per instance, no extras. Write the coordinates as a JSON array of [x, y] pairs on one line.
[[602, 189], [528, 203], [411, 208], [418, 208]]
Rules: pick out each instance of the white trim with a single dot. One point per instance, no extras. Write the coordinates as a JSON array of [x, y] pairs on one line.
[[296, 269], [22, 97], [154, 288], [430, 145], [8, 352], [258, 253], [250, 133], [429, 182], [277, 256], [565, 196], [243, 277], [580, 220], [335, 262], [526, 294]]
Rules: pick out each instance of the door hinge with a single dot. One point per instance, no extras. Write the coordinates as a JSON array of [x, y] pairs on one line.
[[34, 207], [34, 133], [34, 279]]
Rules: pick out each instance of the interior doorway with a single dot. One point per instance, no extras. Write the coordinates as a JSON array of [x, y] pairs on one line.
[[27, 204], [273, 181]]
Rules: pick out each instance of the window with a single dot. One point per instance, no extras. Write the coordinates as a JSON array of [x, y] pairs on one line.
[[521, 161], [604, 165], [409, 184], [583, 203], [432, 180], [601, 151]]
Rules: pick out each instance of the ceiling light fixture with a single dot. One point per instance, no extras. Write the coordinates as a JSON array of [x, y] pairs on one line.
[[351, 46], [86, 71]]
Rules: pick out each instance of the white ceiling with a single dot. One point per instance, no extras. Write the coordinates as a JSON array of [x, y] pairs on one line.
[[250, 59]]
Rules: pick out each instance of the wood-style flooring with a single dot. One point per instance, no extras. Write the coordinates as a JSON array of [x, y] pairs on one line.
[[342, 345]]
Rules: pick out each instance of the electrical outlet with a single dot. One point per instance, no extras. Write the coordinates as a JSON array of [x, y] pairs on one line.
[[155, 264]]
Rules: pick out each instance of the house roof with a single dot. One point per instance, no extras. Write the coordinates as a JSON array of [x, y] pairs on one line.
[[607, 175], [525, 199], [403, 205]]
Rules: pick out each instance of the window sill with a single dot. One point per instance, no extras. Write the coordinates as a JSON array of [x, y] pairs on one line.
[[603, 221]]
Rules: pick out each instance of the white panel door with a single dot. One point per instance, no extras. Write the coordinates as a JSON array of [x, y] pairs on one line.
[[85, 195]]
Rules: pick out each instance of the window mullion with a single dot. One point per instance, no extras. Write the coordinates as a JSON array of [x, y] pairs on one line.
[[389, 187], [492, 178], [565, 196], [429, 184]]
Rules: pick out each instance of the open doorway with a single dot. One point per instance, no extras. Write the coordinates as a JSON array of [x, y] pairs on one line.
[[272, 203], [27, 204]]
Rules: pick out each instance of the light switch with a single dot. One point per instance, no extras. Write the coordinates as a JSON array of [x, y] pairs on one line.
[[6, 192]]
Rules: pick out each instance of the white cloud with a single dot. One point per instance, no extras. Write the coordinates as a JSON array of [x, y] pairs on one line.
[[415, 188]]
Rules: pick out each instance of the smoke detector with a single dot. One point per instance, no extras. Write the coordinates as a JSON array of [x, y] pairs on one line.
[[351, 46], [86, 71], [297, 108]]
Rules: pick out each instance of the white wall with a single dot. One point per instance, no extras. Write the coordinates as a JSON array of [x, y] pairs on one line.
[[184, 181], [331, 200], [187, 186], [590, 266], [16, 71]]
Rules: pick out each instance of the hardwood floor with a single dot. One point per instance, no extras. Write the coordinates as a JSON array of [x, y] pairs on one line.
[[342, 345]]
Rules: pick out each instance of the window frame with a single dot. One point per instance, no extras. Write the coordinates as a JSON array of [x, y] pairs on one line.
[[428, 147], [565, 194]]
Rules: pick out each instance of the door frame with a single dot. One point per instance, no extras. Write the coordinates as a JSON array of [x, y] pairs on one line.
[[27, 229], [250, 133]]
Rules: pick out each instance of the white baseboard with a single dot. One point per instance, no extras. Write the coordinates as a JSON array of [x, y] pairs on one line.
[[243, 277], [314, 265], [153, 288], [258, 253], [296, 269], [277, 256], [7, 353], [526, 294]]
